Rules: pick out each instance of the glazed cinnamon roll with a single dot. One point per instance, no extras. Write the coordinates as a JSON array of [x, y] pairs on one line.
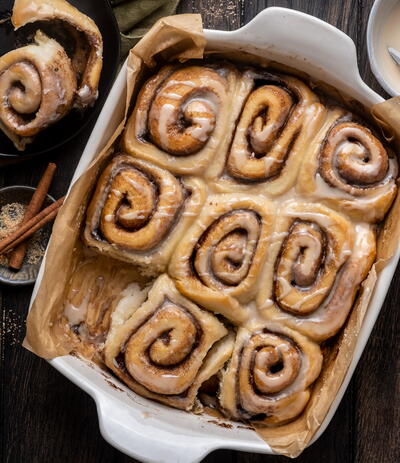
[[139, 212], [168, 347], [269, 377], [77, 33], [275, 126], [318, 259], [182, 116], [37, 87], [349, 169], [218, 262]]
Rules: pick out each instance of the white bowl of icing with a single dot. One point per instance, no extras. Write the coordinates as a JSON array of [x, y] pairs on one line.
[[384, 31]]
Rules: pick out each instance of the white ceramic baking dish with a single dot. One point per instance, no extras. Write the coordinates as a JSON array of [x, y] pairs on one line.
[[155, 433]]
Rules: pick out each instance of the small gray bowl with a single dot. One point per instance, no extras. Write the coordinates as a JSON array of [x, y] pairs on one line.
[[28, 272]]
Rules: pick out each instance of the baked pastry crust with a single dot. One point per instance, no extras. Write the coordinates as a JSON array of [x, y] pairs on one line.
[[318, 259], [181, 117], [348, 168], [269, 376], [87, 65], [139, 212], [277, 122], [219, 261], [168, 347], [37, 89]]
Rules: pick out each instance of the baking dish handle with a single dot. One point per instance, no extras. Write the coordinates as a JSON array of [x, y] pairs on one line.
[[299, 38], [137, 441]]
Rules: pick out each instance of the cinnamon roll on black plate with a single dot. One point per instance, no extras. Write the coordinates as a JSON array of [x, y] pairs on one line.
[[88, 34]]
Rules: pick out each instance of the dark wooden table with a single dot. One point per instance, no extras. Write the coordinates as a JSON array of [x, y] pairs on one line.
[[45, 418]]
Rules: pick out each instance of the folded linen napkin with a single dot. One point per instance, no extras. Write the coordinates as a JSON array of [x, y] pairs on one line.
[[135, 17]]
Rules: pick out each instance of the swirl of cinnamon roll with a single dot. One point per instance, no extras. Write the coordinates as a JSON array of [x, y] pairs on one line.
[[76, 32], [318, 261], [218, 262], [168, 347], [181, 117], [139, 212], [274, 128], [349, 169], [269, 376], [37, 86]]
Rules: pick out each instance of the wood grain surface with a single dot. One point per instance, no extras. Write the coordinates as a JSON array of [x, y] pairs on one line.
[[45, 418]]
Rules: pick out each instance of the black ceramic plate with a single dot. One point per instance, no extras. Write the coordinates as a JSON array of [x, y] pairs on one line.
[[53, 137]]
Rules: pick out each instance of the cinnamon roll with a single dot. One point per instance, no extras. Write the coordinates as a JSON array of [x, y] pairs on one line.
[[275, 126], [269, 377], [37, 87], [349, 169], [182, 116], [139, 212], [318, 259], [168, 347], [77, 33], [219, 260]]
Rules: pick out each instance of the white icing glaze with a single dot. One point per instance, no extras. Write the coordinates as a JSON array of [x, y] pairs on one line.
[[325, 190], [132, 298], [172, 83], [172, 95], [76, 315], [116, 192], [322, 219], [202, 129], [389, 36], [84, 92], [286, 287], [362, 245], [166, 117], [140, 122], [305, 298]]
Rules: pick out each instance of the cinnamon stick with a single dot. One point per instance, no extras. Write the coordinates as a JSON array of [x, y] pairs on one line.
[[32, 230], [17, 256], [30, 227]]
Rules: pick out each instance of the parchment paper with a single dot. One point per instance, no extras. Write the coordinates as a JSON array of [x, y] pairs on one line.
[[181, 38]]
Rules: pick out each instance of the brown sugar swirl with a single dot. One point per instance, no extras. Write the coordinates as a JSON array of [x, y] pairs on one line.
[[76, 32], [353, 158], [37, 88], [168, 347], [318, 261], [269, 375], [218, 263], [274, 127], [139, 211], [181, 115], [348, 167]]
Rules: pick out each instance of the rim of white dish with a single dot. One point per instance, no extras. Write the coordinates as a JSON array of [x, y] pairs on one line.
[[371, 49]]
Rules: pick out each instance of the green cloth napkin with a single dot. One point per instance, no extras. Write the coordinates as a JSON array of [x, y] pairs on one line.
[[135, 17]]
